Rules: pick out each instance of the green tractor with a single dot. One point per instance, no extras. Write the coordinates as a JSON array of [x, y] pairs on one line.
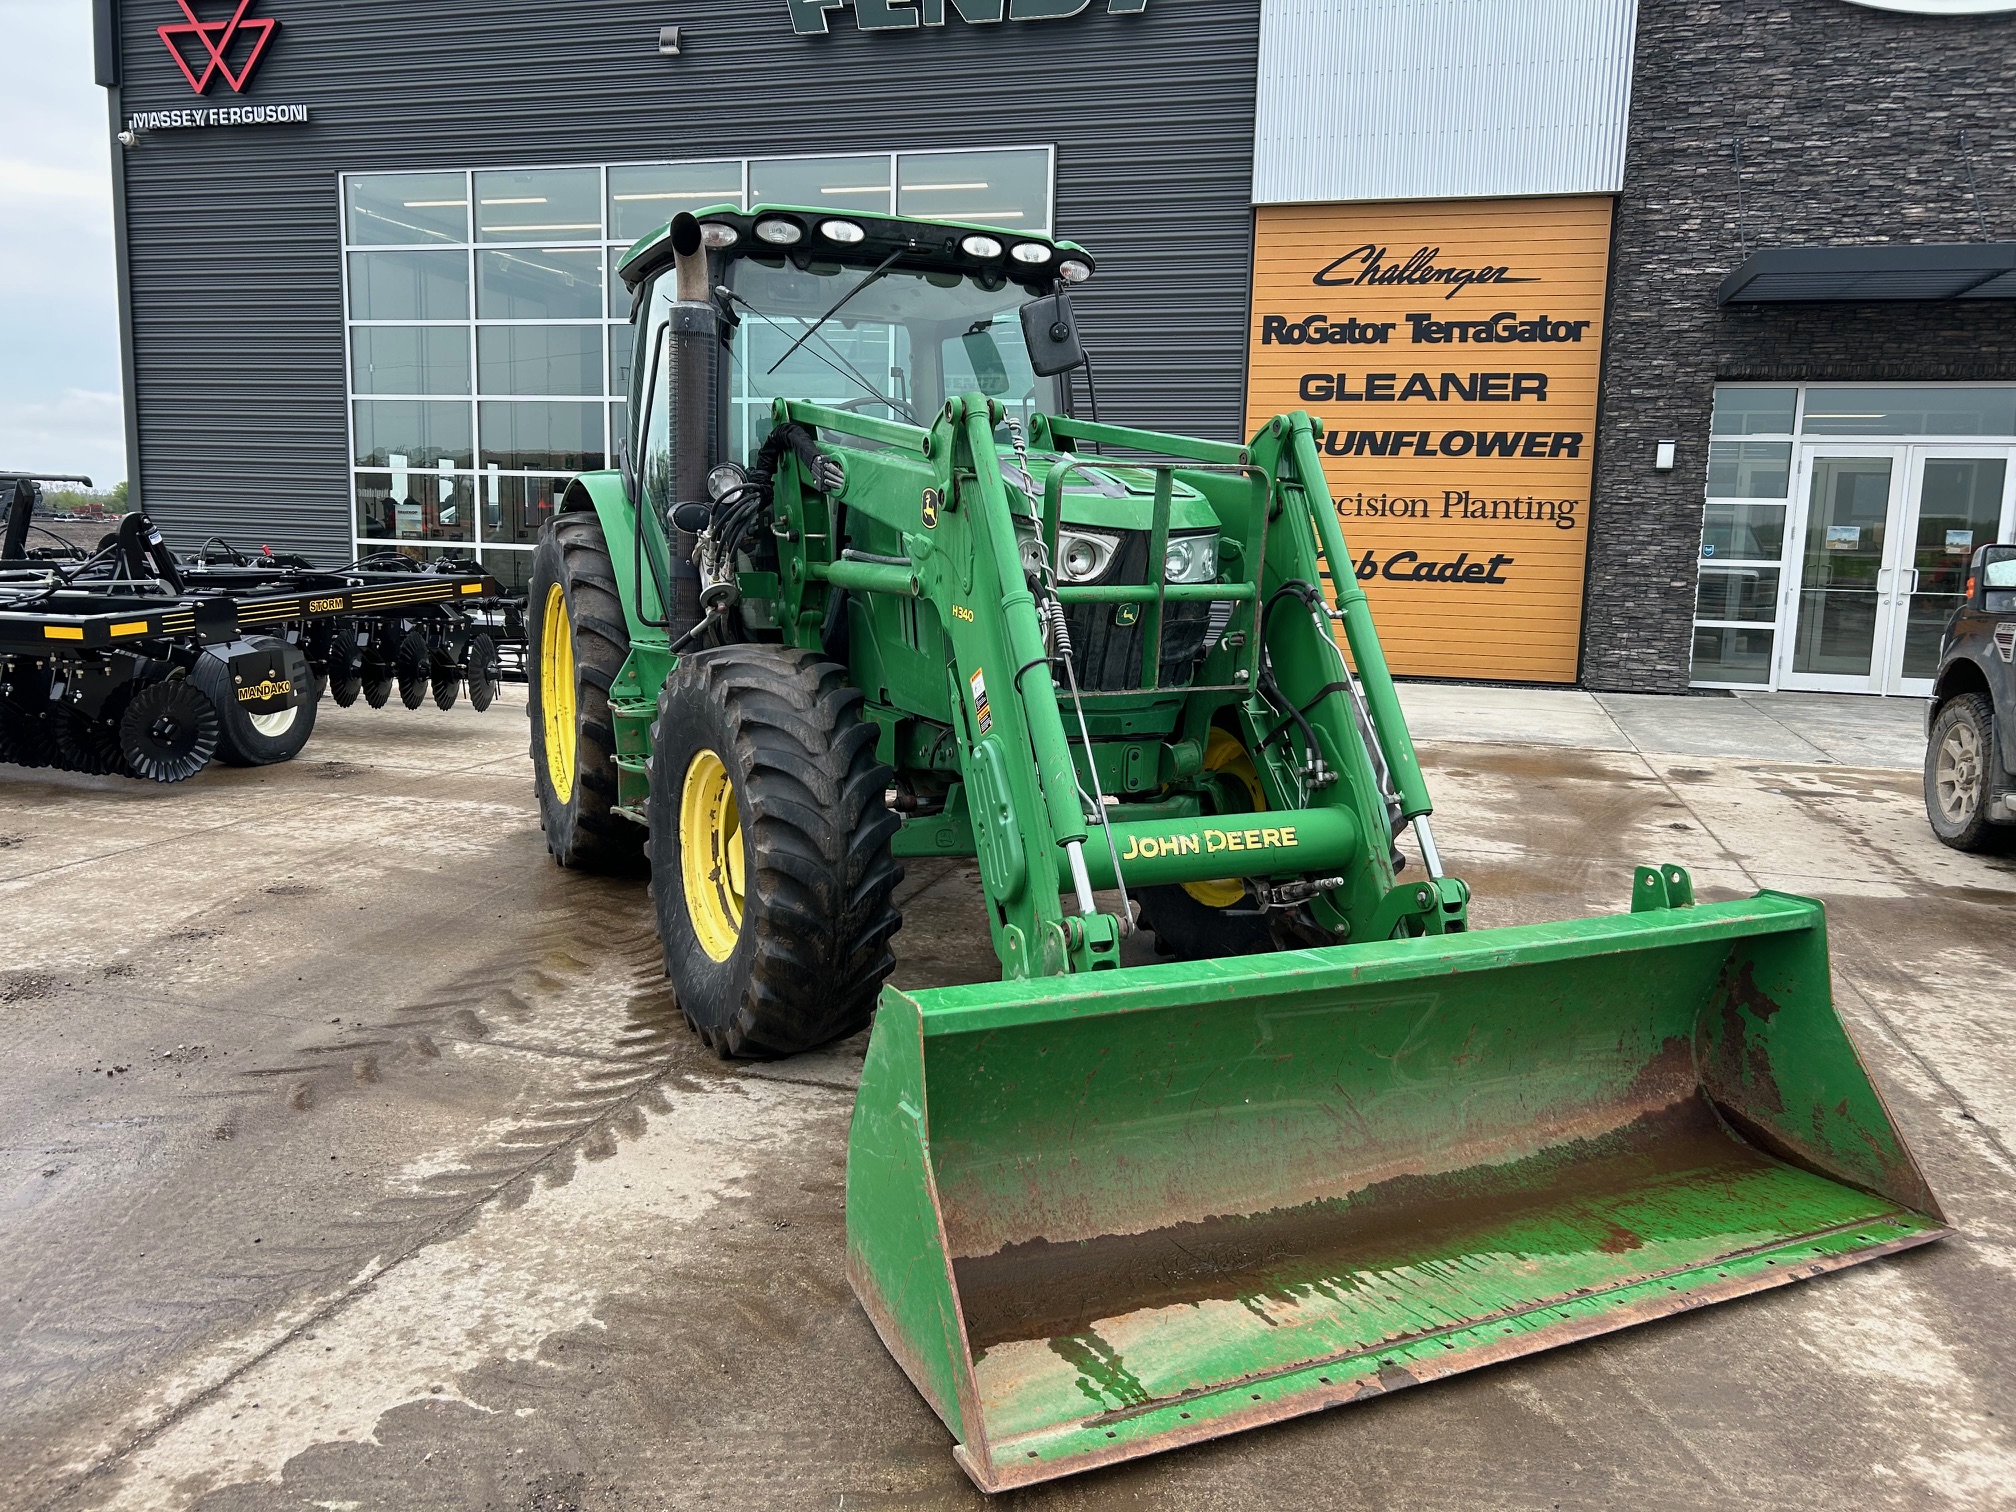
[[863, 588]]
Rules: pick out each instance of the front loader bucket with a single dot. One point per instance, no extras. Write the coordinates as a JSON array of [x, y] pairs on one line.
[[1098, 1217]]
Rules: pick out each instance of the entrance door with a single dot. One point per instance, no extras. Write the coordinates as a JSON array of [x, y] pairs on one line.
[[1842, 588], [1956, 499]]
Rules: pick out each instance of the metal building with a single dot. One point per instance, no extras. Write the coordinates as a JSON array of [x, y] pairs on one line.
[[1507, 250]]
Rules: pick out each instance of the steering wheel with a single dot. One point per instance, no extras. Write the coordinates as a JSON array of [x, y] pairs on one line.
[[865, 401]]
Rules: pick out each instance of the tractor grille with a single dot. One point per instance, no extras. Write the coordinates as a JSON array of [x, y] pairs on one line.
[[1108, 653]]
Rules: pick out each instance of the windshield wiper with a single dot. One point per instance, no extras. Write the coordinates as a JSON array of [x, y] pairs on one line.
[[843, 367], [834, 308]]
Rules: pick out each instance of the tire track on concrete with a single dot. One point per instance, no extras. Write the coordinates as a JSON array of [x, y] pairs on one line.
[[608, 1100]]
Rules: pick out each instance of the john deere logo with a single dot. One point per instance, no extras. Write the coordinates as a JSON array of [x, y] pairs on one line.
[[930, 509], [1208, 842], [272, 687], [1127, 614]]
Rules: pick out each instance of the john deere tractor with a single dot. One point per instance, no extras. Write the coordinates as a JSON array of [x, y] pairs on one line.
[[864, 588]]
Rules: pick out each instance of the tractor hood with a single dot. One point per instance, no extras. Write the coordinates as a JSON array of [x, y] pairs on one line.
[[1109, 496]]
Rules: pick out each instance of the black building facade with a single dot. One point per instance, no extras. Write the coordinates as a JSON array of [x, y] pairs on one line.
[[1767, 124], [241, 418]]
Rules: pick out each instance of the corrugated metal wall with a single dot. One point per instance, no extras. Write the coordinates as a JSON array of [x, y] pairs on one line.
[[1441, 99], [238, 334]]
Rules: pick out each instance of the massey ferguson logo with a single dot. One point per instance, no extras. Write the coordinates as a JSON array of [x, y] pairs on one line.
[[215, 43]]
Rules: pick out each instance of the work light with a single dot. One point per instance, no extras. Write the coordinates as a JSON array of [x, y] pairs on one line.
[[980, 246], [779, 233], [1083, 555], [1191, 559]]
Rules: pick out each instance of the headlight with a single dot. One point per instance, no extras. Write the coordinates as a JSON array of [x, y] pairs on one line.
[[841, 231], [1073, 271], [1033, 253], [714, 234], [724, 480], [1191, 559], [1083, 555], [980, 246], [779, 233]]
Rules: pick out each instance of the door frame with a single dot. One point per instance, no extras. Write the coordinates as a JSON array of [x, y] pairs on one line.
[[1792, 578], [1898, 617]]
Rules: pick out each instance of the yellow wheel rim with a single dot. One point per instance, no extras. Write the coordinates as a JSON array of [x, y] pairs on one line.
[[556, 691], [1223, 753], [710, 855]]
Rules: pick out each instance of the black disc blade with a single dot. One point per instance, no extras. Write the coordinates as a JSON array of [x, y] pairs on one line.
[[84, 744], [415, 665], [169, 731], [482, 672]]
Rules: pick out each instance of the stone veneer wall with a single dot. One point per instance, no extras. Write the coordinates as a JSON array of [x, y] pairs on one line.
[[1849, 121]]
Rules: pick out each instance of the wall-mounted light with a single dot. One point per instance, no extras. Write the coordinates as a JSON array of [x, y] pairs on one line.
[[129, 139], [1662, 459], [668, 41]]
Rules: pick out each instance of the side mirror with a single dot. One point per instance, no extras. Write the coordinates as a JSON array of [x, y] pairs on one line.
[[1050, 331], [1995, 574], [990, 372]]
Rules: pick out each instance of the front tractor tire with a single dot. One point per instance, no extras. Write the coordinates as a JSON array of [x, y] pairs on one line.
[[770, 861], [576, 643]]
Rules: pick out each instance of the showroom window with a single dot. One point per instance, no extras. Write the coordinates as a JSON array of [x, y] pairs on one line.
[[487, 334], [1838, 527], [1743, 535]]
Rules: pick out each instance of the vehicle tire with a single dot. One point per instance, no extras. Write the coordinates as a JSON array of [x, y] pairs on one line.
[[1208, 921], [1959, 766], [245, 739], [576, 643], [770, 863]]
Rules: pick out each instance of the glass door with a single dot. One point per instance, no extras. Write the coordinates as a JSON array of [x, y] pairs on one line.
[[1955, 499], [1842, 580]]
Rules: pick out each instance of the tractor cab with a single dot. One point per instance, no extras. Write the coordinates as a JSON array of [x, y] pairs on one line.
[[890, 318]]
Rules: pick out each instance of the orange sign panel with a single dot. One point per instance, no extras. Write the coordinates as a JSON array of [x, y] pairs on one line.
[[1450, 349]]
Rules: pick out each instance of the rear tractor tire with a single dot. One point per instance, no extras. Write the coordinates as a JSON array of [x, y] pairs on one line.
[[576, 642], [770, 861]]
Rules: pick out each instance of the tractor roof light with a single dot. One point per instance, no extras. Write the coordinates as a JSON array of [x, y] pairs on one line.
[[724, 480], [1073, 271], [980, 246], [842, 231], [716, 235], [780, 232], [1032, 253]]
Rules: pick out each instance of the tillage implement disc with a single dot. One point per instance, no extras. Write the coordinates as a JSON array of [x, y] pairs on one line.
[[169, 731]]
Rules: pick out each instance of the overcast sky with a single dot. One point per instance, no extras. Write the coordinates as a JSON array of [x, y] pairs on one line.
[[59, 316]]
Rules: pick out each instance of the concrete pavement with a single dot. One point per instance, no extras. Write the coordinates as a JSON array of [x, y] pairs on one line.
[[356, 1157]]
